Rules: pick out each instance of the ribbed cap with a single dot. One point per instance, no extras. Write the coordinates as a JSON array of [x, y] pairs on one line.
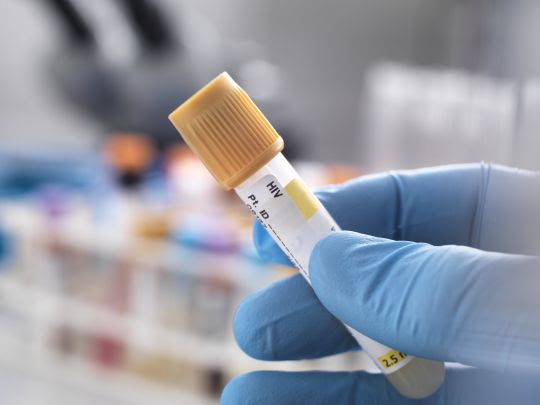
[[227, 131]]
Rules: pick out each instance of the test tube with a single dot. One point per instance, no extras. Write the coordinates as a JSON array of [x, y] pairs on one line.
[[242, 150]]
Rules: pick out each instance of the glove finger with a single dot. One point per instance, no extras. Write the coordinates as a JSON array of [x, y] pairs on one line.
[[448, 303], [470, 205], [463, 386], [286, 321]]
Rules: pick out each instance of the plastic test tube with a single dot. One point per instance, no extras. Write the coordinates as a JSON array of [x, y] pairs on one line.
[[242, 150]]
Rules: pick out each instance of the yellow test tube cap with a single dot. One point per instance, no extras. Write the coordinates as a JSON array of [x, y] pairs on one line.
[[226, 130]]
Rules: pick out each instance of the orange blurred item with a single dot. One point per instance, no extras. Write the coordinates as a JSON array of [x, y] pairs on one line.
[[129, 152]]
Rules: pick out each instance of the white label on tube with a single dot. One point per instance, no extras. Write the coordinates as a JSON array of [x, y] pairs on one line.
[[296, 220]]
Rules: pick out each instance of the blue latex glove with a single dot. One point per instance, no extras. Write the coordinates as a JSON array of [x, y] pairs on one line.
[[451, 273]]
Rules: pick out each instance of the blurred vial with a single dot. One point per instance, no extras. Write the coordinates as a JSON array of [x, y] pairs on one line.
[[414, 117], [527, 145]]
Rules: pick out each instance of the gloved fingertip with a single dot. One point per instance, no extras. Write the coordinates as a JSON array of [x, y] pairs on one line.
[[241, 388], [266, 247], [245, 330]]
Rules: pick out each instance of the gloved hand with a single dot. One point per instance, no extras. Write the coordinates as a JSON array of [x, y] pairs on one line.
[[451, 273]]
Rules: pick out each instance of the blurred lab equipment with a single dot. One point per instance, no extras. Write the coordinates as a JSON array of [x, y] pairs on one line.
[[527, 142], [133, 277], [412, 117], [132, 88], [416, 117]]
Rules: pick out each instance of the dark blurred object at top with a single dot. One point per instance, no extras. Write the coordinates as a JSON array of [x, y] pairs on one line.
[[135, 87], [151, 27]]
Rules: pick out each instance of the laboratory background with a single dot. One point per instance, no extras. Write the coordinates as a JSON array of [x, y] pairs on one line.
[[121, 261]]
